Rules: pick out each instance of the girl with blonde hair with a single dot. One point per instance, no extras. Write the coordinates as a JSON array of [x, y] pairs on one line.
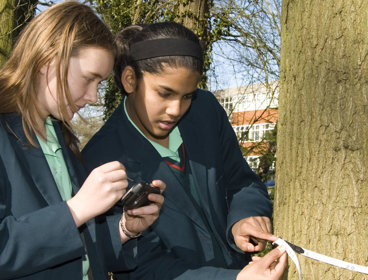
[[47, 203]]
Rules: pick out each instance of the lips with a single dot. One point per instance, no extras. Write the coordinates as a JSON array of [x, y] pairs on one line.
[[164, 125], [78, 107]]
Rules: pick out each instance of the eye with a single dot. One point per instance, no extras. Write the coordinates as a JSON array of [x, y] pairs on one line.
[[188, 96], [88, 79], [164, 94]]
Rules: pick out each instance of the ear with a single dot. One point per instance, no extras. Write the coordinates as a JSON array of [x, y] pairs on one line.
[[46, 67], [128, 79]]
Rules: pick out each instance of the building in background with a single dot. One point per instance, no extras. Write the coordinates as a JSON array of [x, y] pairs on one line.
[[252, 111]]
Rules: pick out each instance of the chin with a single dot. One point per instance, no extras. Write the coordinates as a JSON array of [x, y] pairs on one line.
[[162, 136], [70, 115]]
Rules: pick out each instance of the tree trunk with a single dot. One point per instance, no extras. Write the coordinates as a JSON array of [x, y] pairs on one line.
[[14, 15], [194, 14], [321, 199], [24, 11], [6, 28]]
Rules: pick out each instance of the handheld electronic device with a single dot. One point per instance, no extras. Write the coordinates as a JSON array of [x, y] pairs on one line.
[[137, 196]]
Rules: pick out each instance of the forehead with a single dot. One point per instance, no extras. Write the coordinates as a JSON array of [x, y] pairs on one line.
[[93, 59], [176, 79], [91, 50]]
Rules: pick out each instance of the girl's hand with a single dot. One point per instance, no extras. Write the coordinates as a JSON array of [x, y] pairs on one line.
[[104, 186], [270, 267], [251, 234], [138, 220]]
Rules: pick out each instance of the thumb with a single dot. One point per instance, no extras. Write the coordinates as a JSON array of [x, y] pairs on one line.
[[262, 235], [273, 256]]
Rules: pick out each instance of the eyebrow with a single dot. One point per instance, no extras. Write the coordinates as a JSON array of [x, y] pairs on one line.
[[173, 91], [97, 75]]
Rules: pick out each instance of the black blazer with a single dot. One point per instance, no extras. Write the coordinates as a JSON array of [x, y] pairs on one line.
[[179, 246], [38, 236]]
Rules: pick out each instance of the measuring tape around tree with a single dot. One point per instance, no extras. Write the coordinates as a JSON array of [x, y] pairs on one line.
[[291, 249]]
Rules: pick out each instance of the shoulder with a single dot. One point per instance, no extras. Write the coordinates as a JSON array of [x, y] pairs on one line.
[[206, 106], [10, 120], [108, 131], [204, 96], [11, 124], [103, 145]]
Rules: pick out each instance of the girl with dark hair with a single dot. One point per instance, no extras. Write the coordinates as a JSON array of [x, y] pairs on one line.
[[166, 128], [46, 206]]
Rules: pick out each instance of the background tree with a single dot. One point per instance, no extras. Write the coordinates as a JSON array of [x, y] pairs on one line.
[[249, 42], [249, 49], [192, 13], [14, 14], [321, 199]]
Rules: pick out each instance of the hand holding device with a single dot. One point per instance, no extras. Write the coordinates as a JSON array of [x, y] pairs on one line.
[[137, 196]]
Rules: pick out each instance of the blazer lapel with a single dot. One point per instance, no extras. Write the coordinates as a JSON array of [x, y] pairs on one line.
[[197, 161], [34, 162]]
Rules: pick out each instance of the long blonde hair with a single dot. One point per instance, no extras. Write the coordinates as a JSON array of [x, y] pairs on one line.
[[56, 33]]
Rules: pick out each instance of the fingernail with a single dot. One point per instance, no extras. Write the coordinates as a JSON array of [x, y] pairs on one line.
[[281, 248]]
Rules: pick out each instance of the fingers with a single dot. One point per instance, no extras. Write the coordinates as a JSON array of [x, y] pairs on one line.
[[110, 172], [263, 223], [256, 258], [152, 209], [113, 172], [262, 235], [111, 166], [256, 241], [251, 234], [269, 267], [160, 184], [117, 176], [281, 265], [104, 186], [156, 199], [143, 217], [274, 257]]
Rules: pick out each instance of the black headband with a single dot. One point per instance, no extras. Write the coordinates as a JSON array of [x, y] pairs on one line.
[[165, 47]]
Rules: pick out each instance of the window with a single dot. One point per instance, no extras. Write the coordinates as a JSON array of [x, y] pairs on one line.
[[252, 133], [253, 162]]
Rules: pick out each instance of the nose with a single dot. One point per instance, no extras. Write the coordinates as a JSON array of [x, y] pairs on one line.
[[174, 108], [91, 95]]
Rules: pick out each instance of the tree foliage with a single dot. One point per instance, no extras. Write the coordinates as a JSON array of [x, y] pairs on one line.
[[242, 35], [192, 13], [249, 44], [245, 34], [250, 39]]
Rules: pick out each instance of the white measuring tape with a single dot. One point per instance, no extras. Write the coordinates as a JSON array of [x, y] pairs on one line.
[[291, 249]]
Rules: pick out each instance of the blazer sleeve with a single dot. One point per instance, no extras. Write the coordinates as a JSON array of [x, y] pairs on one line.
[[37, 240], [115, 256], [246, 195], [156, 262], [105, 232]]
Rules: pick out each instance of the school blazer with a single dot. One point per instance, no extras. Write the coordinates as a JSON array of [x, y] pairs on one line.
[[38, 236], [178, 245]]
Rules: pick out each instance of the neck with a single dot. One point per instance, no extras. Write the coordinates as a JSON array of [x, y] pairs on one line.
[[164, 141]]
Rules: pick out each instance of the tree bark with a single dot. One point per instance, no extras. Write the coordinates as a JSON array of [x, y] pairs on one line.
[[6, 28], [14, 15], [321, 198], [194, 14]]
